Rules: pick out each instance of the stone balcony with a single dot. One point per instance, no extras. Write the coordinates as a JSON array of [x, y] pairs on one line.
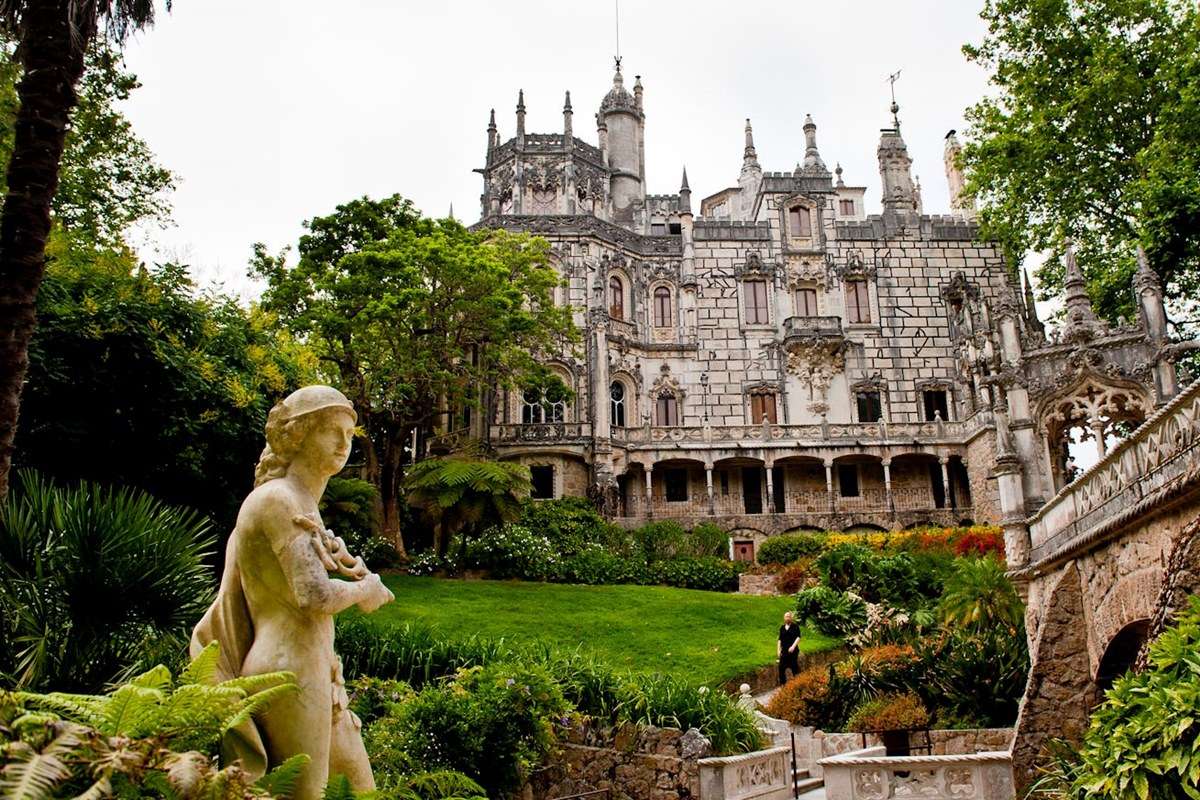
[[845, 433], [542, 433], [830, 327]]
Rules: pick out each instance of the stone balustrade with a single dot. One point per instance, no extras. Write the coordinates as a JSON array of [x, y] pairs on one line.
[[868, 774], [1155, 463], [812, 326], [541, 432], [651, 437], [761, 775]]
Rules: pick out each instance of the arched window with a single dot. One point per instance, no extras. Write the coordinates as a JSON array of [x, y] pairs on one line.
[[616, 298], [666, 411], [531, 407], [800, 222], [616, 393], [662, 307]]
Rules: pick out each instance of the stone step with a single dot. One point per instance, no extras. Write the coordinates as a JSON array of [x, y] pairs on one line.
[[808, 784]]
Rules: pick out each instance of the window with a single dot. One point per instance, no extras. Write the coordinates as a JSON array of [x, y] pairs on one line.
[[542, 478], [616, 393], [848, 480], [531, 407], [800, 222], [935, 404], [806, 302], [676, 481], [674, 228], [846, 208], [762, 407], [658, 229], [666, 412], [662, 307], [724, 482], [616, 298], [755, 293], [858, 302], [869, 407]]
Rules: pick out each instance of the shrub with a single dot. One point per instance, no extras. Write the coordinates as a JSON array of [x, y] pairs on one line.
[[97, 583], [846, 566], [493, 724], [372, 698], [802, 574], [877, 669], [799, 700], [513, 551], [980, 542], [411, 653], [595, 566], [977, 679], [571, 524], [707, 573], [427, 563], [890, 712], [790, 548], [708, 539], [661, 539], [979, 596], [664, 701], [348, 509], [832, 612]]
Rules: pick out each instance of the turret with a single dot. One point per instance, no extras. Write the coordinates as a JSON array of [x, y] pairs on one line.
[[1079, 305], [1032, 322], [685, 195], [750, 178], [960, 201], [493, 136], [620, 120], [1148, 291], [568, 133], [895, 169], [813, 165], [520, 117]]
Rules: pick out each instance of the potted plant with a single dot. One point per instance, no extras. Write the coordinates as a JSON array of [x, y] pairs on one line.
[[891, 717]]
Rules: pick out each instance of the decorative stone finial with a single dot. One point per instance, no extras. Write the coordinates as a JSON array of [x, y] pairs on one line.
[[838, 171], [813, 165]]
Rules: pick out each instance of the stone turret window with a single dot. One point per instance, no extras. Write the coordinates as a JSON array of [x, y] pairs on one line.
[[616, 298], [662, 307], [858, 302], [762, 407], [869, 407], [616, 394], [666, 412], [755, 296], [806, 302], [800, 222]]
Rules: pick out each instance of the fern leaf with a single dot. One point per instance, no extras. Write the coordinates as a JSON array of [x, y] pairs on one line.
[[99, 790], [83, 708], [258, 702], [203, 668], [252, 684], [157, 678], [445, 785], [127, 708], [281, 781], [338, 788], [32, 774]]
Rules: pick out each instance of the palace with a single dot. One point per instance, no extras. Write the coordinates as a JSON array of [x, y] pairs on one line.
[[786, 360]]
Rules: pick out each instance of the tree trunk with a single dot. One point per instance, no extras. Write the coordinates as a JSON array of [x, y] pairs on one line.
[[52, 57], [391, 474]]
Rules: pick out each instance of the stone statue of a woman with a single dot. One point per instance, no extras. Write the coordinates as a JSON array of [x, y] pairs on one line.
[[275, 607]]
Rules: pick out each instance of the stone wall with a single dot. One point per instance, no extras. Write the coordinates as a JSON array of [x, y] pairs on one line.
[[762, 585], [632, 762]]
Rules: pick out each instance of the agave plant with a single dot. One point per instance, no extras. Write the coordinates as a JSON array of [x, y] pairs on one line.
[[96, 583], [464, 493]]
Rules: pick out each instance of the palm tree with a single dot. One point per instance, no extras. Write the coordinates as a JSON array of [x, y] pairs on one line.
[[464, 493], [52, 37], [978, 596]]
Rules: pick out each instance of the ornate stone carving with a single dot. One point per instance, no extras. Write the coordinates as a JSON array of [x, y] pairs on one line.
[[806, 271], [815, 361], [854, 264], [543, 175], [666, 384], [754, 267]]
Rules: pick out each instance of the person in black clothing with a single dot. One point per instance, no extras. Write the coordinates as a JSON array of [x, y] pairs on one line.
[[788, 648]]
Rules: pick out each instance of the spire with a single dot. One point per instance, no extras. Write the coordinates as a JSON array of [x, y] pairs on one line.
[[685, 195], [895, 172], [1030, 300], [750, 155], [838, 171], [812, 159], [1079, 305], [637, 91], [568, 121], [917, 196], [493, 136], [451, 214], [521, 114]]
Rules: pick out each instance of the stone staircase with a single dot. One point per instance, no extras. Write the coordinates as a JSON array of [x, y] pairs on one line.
[[808, 787]]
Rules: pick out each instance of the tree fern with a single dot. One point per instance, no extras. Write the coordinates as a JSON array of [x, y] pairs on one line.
[[465, 493]]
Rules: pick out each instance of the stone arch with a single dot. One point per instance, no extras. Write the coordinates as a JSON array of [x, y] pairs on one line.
[[864, 527], [628, 400], [622, 310], [1121, 653], [1131, 599], [667, 289]]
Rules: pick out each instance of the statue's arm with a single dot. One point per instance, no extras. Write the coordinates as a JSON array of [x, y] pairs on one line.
[[306, 575]]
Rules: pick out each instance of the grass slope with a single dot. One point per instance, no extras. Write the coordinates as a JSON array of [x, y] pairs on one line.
[[702, 637]]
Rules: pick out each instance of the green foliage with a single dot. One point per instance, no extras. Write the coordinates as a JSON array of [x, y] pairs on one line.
[[708, 573], [465, 494], [831, 612], [790, 548], [348, 508], [708, 539], [512, 551], [95, 583], [889, 712], [659, 539], [979, 596], [411, 316], [135, 378], [975, 679], [1143, 741], [372, 698], [1093, 136], [570, 523], [667, 702]]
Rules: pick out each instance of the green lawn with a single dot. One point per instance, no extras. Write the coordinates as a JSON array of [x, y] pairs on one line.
[[703, 637]]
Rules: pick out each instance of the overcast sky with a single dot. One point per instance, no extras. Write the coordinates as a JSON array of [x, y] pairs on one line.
[[272, 112]]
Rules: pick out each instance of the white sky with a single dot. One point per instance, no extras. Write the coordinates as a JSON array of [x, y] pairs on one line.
[[271, 112]]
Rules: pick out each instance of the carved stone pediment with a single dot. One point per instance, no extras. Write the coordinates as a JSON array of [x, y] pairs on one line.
[[754, 267], [815, 361], [666, 384], [807, 271], [854, 264]]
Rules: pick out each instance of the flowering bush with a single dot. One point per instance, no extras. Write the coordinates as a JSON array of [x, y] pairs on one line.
[[790, 548], [799, 700], [513, 551], [426, 563], [978, 542], [889, 712]]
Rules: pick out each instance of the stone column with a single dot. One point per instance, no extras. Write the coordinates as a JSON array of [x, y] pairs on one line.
[[945, 461], [1097, 426], [770, 504], [649, 472], [708, 485], [887, 484], [829, 485]]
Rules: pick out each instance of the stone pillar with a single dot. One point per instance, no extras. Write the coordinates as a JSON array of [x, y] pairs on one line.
[[770, 504], [601, 405], [649, 472], [945, 461], [829, 485], [708, 485], [1097, 426], [887, 484]]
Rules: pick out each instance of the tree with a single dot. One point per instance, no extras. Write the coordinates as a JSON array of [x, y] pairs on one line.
[[417, 321], [53, 37], [138, 378], [464, 494], [980, 597], [1092, 137]]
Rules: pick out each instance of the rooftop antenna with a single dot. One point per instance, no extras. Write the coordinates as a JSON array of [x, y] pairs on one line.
[[617, 22], [895, 76]]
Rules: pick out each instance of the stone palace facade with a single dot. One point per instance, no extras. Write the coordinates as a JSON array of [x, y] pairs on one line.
[[786, 360]]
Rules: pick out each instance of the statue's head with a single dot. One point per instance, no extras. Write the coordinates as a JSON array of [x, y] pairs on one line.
[[315, 422]]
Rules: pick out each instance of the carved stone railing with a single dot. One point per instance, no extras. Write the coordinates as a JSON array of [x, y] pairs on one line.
[[847, 432], [812, 326], [1160, 460], [541, 432], [761, 775], [870, 775]]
